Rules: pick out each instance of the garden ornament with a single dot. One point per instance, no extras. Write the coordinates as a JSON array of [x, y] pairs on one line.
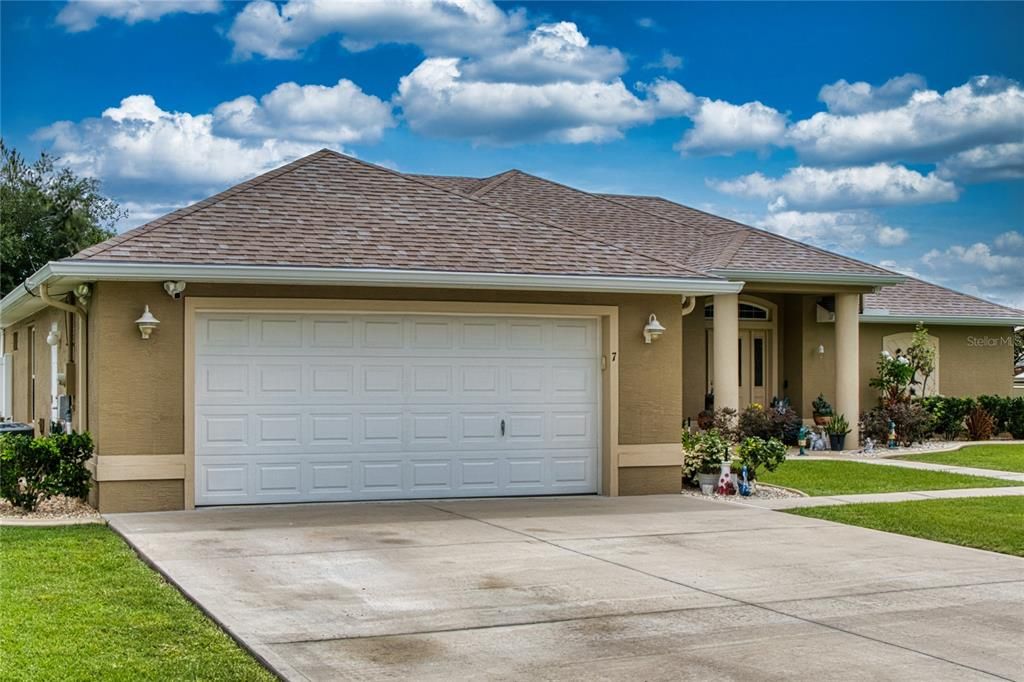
[[802, 439], [892, 435], [818, 441], [869, 445], [745, 484]]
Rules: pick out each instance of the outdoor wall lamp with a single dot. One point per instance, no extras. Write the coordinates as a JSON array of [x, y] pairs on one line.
[[147, 323], [653, 329], [53, 338], [821, 350]]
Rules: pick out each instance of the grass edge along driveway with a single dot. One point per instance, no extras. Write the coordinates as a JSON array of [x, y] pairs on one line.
[[830, 477], [76, 603], [1009, 457], [992, 523]]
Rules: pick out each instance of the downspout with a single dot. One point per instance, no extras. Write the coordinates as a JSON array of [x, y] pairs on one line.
[[81, 393], [689, 303]]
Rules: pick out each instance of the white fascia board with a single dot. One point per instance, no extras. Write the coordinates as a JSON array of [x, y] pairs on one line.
[[953, 320], [19, 303], [798, 277]]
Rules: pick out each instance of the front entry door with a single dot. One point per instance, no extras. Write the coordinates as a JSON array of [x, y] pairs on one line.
[[752, 352]]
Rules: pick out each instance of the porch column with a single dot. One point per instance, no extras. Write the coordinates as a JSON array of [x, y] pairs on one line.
[[848, 363], [727, 362]]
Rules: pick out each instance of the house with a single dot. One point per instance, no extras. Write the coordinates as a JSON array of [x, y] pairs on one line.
[[334, 330]]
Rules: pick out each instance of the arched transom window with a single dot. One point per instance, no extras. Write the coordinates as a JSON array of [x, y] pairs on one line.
[[748, 311]]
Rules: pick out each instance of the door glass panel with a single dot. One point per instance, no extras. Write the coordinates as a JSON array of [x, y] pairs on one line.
[[758, 362], [740, 360]]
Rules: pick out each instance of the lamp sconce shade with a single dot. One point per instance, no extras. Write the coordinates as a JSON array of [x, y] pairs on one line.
[[147, 323], [820, 350], [653, 329]]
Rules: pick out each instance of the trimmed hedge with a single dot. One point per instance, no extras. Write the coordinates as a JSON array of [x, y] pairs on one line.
[[35, 469]]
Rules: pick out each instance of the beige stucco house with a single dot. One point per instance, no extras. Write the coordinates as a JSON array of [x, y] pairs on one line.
[[333, 330]]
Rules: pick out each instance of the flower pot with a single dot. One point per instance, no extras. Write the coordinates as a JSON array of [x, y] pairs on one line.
[[708, 489], [837, 441], [822, 419], [707, 479]]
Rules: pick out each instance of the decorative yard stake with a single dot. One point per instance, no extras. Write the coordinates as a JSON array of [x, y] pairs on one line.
[[892, 435], [802, 439]]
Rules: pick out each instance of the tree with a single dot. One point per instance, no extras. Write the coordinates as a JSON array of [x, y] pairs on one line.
[[47, 213], [1018, 346], [921, 354]]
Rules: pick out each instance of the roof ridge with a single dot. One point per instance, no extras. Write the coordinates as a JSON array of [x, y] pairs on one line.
[[494, 181], [199, 205], [737, 240], [510, 173], [777, 236]]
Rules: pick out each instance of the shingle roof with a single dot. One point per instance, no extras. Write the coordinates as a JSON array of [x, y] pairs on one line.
[[916, 297], [333, 211], [329, 210]]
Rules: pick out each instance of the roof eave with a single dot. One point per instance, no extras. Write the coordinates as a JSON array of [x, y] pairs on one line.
[[802, 277], [952, 320], [20, 302]]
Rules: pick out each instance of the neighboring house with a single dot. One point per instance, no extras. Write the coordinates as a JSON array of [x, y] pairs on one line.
[[340, 331]]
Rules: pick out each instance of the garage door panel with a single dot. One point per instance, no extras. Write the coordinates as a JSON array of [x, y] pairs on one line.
[[320, 406]]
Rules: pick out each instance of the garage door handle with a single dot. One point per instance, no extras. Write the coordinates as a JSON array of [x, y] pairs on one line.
[[503, 427]]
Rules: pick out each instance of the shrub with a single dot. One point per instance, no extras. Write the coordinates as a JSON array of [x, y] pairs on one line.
[[998, 407], [913, 423], [821, 407], [723, 421], [948, 414], [780, 421], [34, 469], [1015, 417], [980, 424], [757, 453], [703, 453], [895, 375]]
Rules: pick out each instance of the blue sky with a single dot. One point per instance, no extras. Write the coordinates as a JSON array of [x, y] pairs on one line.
[[890, 132]]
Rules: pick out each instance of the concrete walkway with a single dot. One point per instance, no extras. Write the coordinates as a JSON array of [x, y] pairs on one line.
[[794, 502], [654, 588], [927, 466]]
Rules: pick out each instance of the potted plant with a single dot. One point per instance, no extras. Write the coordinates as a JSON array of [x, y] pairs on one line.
[[822, 410], [703, 454], [837, 429]]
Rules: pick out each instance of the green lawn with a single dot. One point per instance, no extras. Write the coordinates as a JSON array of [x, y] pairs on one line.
[[817, 478], [992, 523], [1001, 457], [77, 604]]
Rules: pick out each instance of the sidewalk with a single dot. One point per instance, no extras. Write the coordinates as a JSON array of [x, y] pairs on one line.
[[794, 502], [909, 464]]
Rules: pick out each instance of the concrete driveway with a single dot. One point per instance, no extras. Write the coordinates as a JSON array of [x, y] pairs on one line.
[[640, 588]]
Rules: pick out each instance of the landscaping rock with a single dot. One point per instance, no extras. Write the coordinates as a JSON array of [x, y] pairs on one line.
[[59, 507]]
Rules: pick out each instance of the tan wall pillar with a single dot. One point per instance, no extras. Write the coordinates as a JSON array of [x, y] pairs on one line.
[[848, 362], [727, 364]]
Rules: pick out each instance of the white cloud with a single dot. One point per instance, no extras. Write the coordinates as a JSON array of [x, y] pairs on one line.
[[847, 230], [985, 163], [82, 15], [901, 267], [928, 127], [552, 52], [805, 187], [437, 100], [155, 155], [439, 27], [648, 23], [720, 127], [667, 61], [994, 270], [844, 98], [338, 114]]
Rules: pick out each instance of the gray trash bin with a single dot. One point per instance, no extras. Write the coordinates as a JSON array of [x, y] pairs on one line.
[[17, 428]]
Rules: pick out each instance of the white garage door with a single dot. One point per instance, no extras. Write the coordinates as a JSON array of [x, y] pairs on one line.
[[311, 407]]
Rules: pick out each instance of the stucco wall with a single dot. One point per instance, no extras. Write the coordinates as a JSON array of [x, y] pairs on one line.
[[138, 385]]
